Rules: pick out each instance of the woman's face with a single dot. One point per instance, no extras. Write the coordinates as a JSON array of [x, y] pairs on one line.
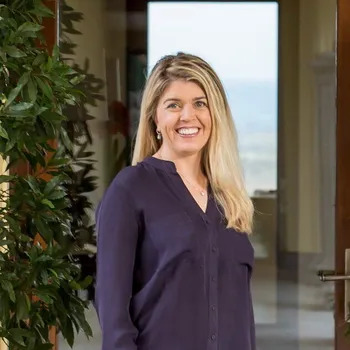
[[183, 118]]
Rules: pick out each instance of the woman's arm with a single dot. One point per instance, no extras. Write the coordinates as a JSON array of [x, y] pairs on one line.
[[252, 321], [117, 232]]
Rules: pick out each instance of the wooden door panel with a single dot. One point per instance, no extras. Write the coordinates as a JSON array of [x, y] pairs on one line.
[[343, 164]]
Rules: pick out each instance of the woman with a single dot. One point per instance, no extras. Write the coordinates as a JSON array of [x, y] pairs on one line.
[[174, 260]]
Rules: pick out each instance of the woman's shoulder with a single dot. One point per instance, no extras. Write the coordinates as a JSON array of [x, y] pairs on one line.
[[136, 183], [129, 176]]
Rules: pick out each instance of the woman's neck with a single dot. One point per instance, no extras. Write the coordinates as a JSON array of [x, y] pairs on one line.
[[188, 166]]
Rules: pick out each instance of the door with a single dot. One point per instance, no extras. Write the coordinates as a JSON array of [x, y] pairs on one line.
[[294, 181], [343, 166], [277, 61]]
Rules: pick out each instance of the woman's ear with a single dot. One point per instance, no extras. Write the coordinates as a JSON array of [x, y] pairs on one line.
[[155, 121]]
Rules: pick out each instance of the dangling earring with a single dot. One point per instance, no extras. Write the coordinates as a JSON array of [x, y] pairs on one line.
[[159, 135]]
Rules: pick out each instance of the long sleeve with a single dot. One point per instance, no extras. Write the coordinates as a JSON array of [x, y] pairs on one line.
[[117, 232]]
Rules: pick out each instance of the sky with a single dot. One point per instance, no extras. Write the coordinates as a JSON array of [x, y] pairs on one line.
[[237, 39]]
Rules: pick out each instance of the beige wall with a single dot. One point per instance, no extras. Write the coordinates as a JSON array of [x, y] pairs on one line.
[[316, 36], [2, 187], [103, 39], [307, 30], [91, 45], [289, 124], [3, 346]]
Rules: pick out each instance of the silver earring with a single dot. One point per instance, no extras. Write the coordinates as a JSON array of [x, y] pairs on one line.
[[159, 135]]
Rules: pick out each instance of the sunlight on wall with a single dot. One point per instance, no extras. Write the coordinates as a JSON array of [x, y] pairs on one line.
[[2, 187]]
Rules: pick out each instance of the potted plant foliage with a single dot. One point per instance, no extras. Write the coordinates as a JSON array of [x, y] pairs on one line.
[[38, 275]]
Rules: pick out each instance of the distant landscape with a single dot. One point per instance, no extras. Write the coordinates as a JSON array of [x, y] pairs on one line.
[[254, 109]]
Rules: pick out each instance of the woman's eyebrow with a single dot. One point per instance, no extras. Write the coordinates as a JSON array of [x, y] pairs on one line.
[[177, 99]]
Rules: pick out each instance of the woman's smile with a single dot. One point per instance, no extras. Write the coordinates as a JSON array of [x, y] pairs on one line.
[[188, 132]]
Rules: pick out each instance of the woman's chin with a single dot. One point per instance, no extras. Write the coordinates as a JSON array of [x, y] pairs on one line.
[[186, 150]]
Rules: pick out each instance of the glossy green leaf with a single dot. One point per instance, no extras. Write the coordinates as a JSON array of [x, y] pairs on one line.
[[32, 90], [3, 133], [52, 184], [56, 53], [43, 229], [77, 79], [29, 27], [6, 285], [39, 59], [23, 80], [13, 94], [45, 87], [32, 182], [6, 178], [86, 282], [44, 297], [17, 337], [68, 332], [66, 141], [42, 11], [22, 106], [53, 116], [56, 195], [13, 51], [48, 203], [3, 56], [84, 325], [22, 309]]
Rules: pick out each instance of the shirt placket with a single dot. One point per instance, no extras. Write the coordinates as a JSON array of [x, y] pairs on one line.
[[213, 285]]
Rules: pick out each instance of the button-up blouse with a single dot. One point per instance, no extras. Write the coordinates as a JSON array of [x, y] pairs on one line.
[[169, 275]]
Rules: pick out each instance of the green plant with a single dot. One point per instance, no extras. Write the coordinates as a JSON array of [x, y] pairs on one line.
[[38, 282]]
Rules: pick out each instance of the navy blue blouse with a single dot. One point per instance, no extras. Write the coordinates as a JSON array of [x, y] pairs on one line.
[[169, 275]]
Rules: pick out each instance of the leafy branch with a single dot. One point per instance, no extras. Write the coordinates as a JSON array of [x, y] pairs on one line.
[[38, 275]]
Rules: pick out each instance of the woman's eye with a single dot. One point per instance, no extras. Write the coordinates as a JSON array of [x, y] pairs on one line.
[[173, 105], [201, 104]]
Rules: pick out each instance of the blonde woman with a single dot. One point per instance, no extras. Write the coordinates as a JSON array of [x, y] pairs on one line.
[[174, 260]]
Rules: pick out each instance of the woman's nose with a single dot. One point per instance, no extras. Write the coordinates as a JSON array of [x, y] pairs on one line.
[[188, 112]]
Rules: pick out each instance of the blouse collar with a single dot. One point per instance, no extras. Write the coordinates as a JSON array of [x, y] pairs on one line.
[[165, 165]]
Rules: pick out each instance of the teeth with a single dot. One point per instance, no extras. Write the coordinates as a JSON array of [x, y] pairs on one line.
[[188, 131]]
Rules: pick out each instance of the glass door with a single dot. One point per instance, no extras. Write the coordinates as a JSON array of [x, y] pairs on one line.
[[277, 62]]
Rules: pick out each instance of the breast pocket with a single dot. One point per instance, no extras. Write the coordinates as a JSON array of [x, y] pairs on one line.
[[173, 233]]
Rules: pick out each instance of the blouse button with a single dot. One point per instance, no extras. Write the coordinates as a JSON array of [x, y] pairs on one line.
[[213, 337]]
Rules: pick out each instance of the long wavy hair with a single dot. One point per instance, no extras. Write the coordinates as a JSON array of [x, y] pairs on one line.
[[220, 158]]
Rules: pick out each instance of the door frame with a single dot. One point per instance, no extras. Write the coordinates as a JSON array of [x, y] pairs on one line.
[[342, 202]]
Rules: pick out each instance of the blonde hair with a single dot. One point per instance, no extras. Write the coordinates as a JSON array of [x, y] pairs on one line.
[[220, 156]]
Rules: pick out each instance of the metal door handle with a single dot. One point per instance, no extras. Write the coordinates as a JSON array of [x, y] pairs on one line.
[[330, 276]]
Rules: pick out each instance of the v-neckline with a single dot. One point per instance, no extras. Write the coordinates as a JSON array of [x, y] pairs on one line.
[[193, 200], [169, 167]]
